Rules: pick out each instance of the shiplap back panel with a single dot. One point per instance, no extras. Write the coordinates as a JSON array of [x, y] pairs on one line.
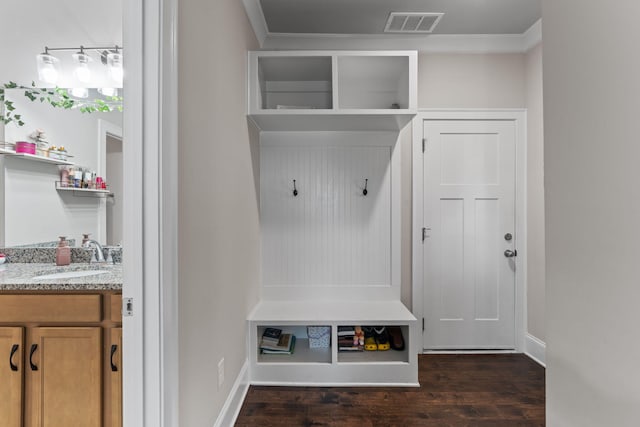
[[330, 234]]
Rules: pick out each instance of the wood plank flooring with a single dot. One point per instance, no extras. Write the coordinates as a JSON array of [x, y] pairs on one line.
[[456, 390]]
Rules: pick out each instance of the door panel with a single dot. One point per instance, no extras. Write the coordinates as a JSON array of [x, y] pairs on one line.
[[11, 374], [469, 205], [113, 385], [64, 377]]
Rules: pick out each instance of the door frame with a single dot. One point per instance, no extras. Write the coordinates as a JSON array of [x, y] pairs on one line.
[[150, 127], [519, 117]]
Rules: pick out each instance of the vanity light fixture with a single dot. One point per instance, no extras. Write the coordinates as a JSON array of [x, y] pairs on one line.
[[111, 57], [82, 71], [48, 67], [114, 63]]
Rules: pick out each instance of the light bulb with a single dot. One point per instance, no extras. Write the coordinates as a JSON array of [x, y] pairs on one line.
[[114, 62], [79, 92], [47, 68], [82, 71]]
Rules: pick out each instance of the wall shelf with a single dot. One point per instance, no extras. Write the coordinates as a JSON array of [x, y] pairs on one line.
[[84, 192], [35, 158]]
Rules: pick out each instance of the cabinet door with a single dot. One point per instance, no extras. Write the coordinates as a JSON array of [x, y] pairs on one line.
[[113, 378], [11, 370], [64, 377]]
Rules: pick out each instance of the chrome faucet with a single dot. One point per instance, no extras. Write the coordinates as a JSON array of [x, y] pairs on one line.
[[99, 250]]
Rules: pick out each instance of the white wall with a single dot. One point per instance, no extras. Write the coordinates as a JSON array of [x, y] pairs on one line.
[[535, 195], [219, 244], [471, 81], [592, 208], [34, 210]]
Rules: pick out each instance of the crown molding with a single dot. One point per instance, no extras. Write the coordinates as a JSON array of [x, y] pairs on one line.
[[432, 43]]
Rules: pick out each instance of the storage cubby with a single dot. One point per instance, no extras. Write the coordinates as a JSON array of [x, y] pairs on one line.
[[386, 356], [373, 82], [295, 82], [332, 90], [302, 353]]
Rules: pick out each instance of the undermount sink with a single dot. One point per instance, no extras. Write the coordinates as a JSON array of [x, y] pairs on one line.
[[70, 274]]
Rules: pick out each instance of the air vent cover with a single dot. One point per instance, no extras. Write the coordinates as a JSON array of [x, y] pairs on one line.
[[412, 22]]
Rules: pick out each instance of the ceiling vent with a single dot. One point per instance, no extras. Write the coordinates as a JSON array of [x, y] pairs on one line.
[[412, 22]]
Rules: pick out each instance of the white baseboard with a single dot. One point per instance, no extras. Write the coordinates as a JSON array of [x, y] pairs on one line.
[[535, 349], [232, 406]]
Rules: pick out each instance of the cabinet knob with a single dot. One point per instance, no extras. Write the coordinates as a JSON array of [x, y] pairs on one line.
[[114, 348], [14, 349], [34, 347]]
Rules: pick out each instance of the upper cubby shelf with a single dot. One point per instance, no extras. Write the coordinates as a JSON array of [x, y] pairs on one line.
[[332, 90]]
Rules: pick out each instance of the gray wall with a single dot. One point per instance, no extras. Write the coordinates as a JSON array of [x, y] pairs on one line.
[[592, 210], [535, 195], [219, 231]]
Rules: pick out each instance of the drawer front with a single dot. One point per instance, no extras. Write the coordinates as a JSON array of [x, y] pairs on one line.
[[50, 308], [116, 308]]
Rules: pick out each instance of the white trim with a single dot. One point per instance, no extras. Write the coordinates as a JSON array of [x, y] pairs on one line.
[[133, 327], [535, 349], [519, 117], [105, 129], [168, 193], [533, 36], [256, 17], [231, 409], [316, 384]]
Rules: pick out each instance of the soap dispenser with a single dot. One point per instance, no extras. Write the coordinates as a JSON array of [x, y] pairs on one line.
[[63, 252]]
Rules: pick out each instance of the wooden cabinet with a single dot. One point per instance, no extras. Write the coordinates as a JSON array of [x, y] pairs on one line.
[[63, 377], [11, 350], [60, 360], [113, 378]]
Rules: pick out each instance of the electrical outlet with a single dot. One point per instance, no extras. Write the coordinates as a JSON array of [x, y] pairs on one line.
[[221, 372]]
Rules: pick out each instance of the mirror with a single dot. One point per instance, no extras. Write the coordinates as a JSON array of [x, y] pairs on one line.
[[33, 210]]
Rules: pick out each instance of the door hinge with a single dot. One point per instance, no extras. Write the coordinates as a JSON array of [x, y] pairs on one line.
[[424, 234], [424, 144], [127, 307], [423, 324]]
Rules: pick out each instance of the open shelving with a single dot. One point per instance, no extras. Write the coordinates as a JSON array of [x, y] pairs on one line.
[[35, 158], [332, 90]]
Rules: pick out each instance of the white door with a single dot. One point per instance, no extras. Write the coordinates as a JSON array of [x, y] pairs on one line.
[[469, 217]]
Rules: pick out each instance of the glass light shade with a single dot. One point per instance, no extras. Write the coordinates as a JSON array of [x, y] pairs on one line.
[[114, 63], [108, 91], [48, 68], [79, 92], [82, 71]]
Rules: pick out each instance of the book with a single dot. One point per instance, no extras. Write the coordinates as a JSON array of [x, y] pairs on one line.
[[346, 330], [283, 344], [271, 335], [289, 350]]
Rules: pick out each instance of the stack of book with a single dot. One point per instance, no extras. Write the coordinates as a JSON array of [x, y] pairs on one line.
[[346, 339], [275, 342]]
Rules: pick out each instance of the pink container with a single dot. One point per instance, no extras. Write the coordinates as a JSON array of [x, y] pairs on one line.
[[25, 147]]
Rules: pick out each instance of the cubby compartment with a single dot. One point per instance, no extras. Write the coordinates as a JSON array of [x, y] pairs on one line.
[[377, 356], [302, 353], [295, 82], [373, 82]]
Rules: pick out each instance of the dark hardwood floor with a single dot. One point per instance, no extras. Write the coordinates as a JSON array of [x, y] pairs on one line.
[[455, 390]]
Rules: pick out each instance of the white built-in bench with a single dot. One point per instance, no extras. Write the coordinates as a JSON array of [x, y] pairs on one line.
[[327, 366]]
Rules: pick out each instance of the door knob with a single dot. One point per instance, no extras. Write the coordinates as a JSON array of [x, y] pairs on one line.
[[510, 254]]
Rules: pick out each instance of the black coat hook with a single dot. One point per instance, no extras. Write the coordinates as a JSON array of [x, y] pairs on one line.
[[365, 192], [295, 190]]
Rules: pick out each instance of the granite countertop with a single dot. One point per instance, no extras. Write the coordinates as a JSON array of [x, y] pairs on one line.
[[20, 277]]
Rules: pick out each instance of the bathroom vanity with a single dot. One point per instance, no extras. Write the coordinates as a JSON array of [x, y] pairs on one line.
[[60, 345]]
